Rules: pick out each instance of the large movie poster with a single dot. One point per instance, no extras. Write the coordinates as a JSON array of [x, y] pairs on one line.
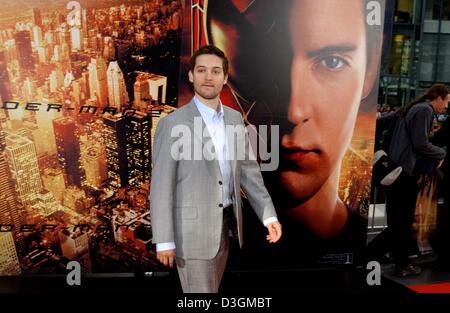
[[308, 71], [82, 87]]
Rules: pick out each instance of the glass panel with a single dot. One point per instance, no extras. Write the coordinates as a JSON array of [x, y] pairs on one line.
[[390, 91], [404, 11], [428, 61], [443, 64], [433, 9], [400, 52], [446, 11], [415, 59]]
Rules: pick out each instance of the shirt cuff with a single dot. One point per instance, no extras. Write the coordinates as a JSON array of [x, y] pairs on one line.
[[270, 220], [165, 246]]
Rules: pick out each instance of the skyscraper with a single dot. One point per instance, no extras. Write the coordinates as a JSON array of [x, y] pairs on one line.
[[94, 163], [9, 262], [78, 93], [149, 86], [139, 39], [28, 89], [9, 206], [75, 36], [47, 203], [158, 88], [157, 113], [53, 180], [98, 85], [75, 246], [23, 165], [2, 139], [65, 54], [100, 43], [85, 85], [24, 52], [37, 36], [128, 144], [49, 37], [5, 90], [141, 90], [68, 148], [175, 21], [57, 53], [116, 154], [109, 50], [38, 137], [44, 120], [84, 23], [44, 54], [64, 37], [117, 92], [73, 199], [53, 82], [92, 39], [3, 119], [37, 18], [138, 130]]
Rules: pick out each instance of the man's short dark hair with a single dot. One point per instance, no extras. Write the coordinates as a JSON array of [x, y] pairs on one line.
[[209, 49]]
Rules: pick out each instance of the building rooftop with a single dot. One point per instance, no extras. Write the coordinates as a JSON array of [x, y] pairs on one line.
[[143, 76]]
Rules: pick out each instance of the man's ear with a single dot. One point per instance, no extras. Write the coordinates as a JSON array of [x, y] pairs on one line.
[[191, 77], [372, 68], [226, 79]]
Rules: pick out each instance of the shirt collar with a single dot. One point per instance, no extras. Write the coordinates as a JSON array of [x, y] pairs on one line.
[[211, 115]]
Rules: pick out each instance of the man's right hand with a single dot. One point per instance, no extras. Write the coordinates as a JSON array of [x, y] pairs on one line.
[[166, 257]]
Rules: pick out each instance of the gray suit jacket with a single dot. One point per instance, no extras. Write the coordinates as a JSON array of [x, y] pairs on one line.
[[186, 195]]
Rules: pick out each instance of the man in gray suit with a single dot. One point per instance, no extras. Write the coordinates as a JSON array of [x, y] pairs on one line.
[[195, 198]]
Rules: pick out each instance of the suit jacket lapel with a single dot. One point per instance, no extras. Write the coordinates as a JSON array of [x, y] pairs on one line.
[[230, 140], [193, 114]]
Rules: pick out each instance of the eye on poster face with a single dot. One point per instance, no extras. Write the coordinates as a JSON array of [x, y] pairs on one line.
[[311, 69]]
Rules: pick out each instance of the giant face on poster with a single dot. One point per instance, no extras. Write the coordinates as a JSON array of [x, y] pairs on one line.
[[304, 74], [82, 87]]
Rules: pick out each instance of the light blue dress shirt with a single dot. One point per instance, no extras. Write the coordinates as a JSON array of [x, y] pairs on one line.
[[216, 127]]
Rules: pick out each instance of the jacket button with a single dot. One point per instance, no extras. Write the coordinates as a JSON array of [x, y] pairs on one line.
[[220, 182], [220, 205]]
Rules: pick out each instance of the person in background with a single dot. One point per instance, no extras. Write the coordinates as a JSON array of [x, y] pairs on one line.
[[410, 147]]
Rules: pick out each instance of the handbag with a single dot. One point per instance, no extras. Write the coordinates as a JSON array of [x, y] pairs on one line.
[[385, 170]]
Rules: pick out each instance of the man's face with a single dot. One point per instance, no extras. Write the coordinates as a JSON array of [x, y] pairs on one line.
[[327, 78], [208, 76], [442, 106]]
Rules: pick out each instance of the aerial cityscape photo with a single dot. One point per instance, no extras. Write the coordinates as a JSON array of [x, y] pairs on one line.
[[82, 88]]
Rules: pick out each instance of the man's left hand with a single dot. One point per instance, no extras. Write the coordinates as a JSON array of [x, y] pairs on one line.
[[274, 229]]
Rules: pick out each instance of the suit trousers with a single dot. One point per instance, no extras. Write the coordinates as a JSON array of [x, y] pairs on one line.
[[204, 276]]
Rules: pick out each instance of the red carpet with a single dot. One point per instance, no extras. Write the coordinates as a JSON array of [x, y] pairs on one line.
[[431, 288]]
